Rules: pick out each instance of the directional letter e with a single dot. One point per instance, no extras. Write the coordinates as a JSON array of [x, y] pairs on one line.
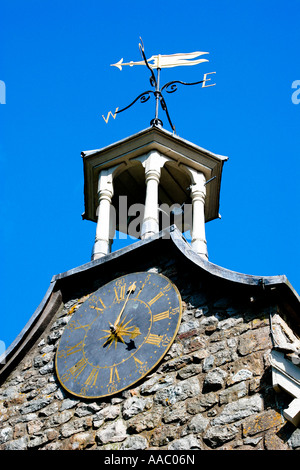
[[2, 93]]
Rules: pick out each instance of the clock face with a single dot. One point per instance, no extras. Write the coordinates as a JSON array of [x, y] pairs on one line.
[[118, 335]]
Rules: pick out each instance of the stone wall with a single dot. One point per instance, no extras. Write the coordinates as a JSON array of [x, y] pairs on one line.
[[212, 390]]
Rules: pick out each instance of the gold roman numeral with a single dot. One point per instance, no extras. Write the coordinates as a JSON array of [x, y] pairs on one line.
[[141, 366], [74, 349], [101, 302], [78, 368], [158, 296], [167, 288], [75, 325], [137, 362], [113, 379], [100, 309], [92, 378], [161, 316], [120, 293], [114, 375], [154, 339]]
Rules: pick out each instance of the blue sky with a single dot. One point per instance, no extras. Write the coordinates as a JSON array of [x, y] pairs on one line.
[[55, 62]]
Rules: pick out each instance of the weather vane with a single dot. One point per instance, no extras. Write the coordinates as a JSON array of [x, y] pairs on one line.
[[158, 62]]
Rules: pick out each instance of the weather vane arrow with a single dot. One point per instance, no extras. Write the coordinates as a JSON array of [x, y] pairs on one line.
[[166, 61], [159, 62]]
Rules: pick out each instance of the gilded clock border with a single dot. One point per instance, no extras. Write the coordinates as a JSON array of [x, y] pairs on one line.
[[95, 397]]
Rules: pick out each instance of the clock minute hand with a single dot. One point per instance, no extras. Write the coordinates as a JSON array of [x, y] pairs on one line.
[[130, 290]]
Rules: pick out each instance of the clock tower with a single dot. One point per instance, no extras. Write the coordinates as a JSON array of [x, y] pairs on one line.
[[152, 347]]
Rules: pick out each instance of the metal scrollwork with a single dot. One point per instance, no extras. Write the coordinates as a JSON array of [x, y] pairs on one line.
[[143, 97], [159, 62], [152, 78], [173, 86]]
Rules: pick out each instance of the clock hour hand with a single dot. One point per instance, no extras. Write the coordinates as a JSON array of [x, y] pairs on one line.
[[131, 289]]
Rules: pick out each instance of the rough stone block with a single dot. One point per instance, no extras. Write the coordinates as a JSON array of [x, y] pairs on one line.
[[260, 423], [254, 340], [239, 410], [233, 393], [112, 432], [214, 380], [185, 443], [216, 436]]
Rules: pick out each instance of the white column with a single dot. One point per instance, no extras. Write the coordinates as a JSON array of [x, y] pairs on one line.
[[150, 222], [152, 163], [198, 193], [105, 194]]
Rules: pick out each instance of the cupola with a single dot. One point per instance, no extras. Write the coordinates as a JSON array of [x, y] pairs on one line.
[[136, 186]]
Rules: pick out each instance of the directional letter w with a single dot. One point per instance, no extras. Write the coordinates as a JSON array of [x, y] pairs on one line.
[[110, 113]]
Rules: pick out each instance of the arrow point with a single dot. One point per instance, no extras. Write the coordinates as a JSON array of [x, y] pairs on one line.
[[118, 64]]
